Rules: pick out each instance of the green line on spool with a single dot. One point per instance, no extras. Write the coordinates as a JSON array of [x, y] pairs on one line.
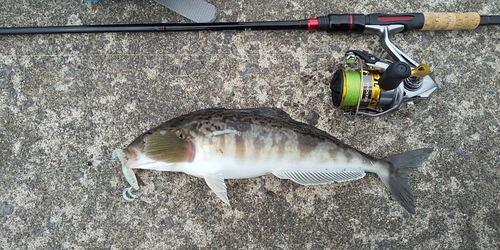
[[353, 80]]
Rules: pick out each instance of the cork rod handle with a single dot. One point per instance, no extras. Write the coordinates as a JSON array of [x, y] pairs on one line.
[[451, 21]]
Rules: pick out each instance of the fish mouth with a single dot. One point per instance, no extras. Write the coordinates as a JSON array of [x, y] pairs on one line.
[[130, 153], [131, 156]]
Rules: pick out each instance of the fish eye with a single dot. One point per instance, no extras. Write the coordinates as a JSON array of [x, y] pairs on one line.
[[181, 134]]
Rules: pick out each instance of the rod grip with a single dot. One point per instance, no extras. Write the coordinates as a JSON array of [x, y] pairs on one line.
[[451, 21]]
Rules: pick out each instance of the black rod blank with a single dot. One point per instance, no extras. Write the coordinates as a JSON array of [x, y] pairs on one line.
[[159, 27], [334, 22]]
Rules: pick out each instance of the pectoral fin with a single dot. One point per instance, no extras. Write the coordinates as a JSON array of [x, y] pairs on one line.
[[317, 178], [216, 183]]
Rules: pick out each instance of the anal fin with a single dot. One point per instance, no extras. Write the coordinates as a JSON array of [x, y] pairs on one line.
[[217, 184], [318, 178]]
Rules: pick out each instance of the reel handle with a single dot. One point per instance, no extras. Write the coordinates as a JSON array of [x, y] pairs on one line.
[[394, 75]]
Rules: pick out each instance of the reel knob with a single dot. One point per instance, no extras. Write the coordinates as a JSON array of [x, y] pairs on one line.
[[394, 75]]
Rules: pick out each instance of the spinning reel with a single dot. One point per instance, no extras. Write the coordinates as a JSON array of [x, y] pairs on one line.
[[372, 86]]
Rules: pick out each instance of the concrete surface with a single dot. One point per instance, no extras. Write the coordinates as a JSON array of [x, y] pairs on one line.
[[69, 100]]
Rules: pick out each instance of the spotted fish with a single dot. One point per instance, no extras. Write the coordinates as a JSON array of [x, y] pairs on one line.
[[218, 144]]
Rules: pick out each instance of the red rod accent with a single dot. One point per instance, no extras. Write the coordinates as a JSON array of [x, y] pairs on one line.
[[388, 19], [351, 22], [312, 24]]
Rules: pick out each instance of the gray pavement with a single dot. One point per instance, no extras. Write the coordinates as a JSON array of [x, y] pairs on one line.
[[67, 101]]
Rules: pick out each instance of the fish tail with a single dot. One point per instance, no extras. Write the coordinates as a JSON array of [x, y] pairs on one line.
[[401, 167]]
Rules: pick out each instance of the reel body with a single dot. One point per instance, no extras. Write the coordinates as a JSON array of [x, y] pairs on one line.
[[372, 86]]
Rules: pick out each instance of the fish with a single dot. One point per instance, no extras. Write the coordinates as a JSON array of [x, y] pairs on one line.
[[218, 144]]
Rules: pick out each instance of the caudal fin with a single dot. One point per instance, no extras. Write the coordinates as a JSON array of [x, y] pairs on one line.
[[397, 181]]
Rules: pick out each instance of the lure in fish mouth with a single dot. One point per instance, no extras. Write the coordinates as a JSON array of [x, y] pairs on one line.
[[218, 144]]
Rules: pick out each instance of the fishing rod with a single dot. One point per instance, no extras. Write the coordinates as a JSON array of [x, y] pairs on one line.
[[367, 85]]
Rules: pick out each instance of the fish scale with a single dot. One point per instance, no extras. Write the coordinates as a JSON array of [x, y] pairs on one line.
[[219, 144], [255, 141]]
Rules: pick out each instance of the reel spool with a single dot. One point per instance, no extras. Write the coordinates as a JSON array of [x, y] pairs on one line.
[[375, 86], [355, 88]]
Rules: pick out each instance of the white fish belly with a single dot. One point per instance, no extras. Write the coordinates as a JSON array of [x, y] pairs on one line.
[[236, 169], [253, 161]]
